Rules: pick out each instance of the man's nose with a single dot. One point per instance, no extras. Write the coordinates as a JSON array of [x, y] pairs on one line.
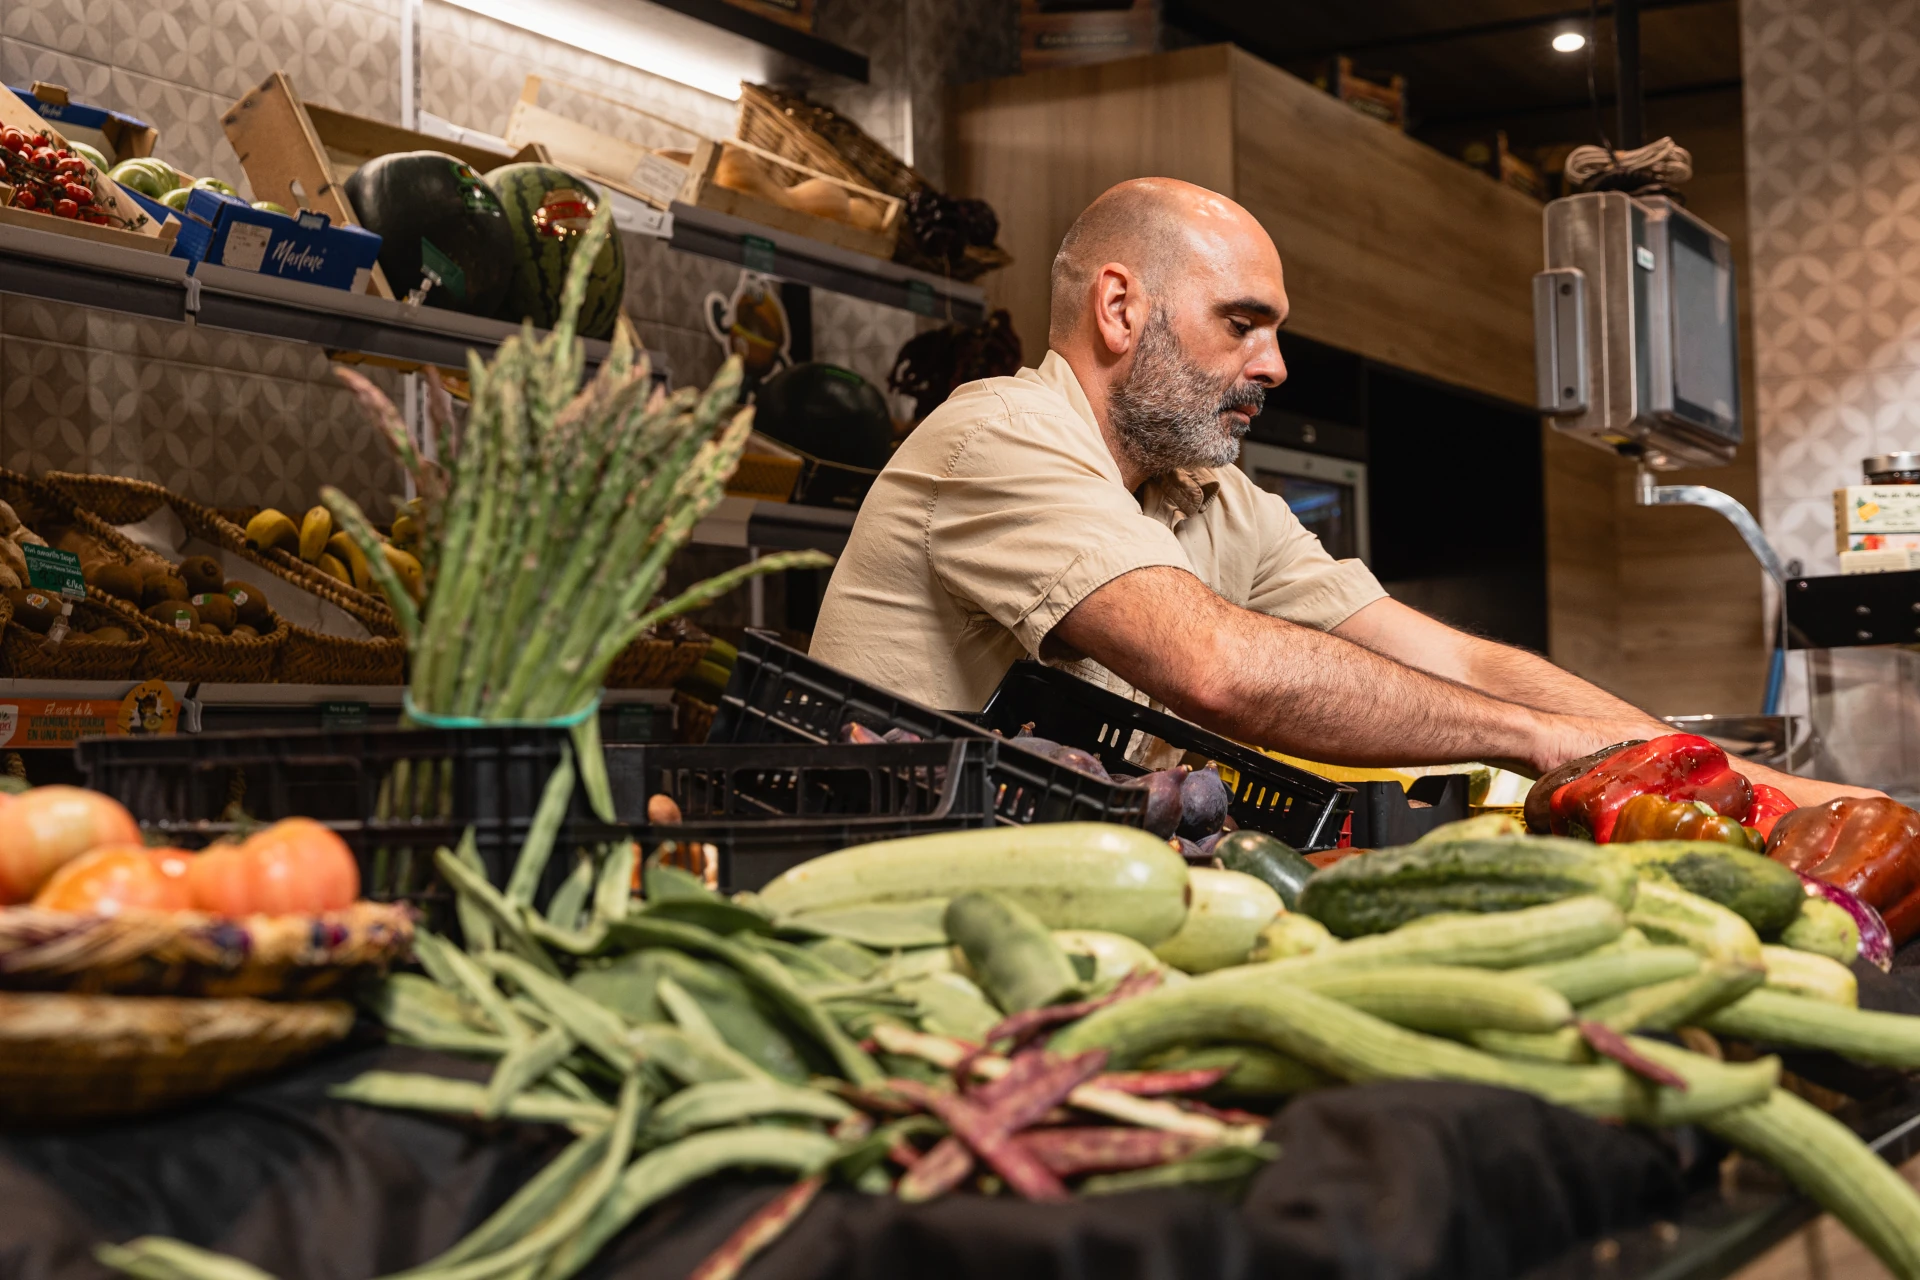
[[1267, 368]]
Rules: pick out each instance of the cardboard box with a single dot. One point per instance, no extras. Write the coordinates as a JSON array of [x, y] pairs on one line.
[[120, 136], [1877, 508], [230, 233]]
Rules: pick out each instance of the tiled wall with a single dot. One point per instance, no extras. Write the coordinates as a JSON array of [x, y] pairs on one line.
[[1833, 164], [230, 419]]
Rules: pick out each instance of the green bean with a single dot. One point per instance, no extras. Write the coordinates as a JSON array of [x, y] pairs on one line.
[[570, 899], [806, 969], [598, 1028], [692, 1061], [574, 942], [686, 1012], [613, 892], [532, 1203], [522, 1066], [414, 1092], [507, 919], [538, 847], [161, 1258], [723, 1103], [476, 925], [660, 1173], [454, 969], [593, 769]]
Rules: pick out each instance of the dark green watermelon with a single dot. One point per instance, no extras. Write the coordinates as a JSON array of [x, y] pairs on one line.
[[826, 411], [547, 208], [432, 210]]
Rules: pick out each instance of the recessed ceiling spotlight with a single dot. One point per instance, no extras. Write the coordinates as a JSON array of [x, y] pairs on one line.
[[1569, 42]]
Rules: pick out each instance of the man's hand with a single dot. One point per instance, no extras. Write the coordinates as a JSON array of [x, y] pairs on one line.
[[1260, 679]]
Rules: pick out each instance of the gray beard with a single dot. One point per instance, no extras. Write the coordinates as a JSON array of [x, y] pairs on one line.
[[1170, 413]]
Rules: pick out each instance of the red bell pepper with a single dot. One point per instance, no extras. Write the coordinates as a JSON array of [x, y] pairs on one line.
[[1869, 846], [1770, 804], [1680, 766]]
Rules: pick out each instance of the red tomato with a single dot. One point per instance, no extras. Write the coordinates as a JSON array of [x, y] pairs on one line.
[[65, 209], [12, 139], [117, 878], [25, 200], [293, 867], [47, 827], [218, 880]]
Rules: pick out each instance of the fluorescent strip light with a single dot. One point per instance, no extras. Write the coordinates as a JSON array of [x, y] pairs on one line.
[[660, 44]]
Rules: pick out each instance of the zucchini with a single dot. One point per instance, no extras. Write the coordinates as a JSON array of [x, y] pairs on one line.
[[1825, 929], [1764, 893], [1840, 1173], [1384, 890], [1676, 1002], [1224, 919], [1802, 973], [1446, 999], [1267, 859], [1114, 955], [1667, 913], [1072, 875], [1795, 1022], [1591, 977], [1291, 934]]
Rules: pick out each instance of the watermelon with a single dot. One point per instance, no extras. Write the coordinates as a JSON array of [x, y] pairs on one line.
[[433, 213], [827, 411], [547, 208]]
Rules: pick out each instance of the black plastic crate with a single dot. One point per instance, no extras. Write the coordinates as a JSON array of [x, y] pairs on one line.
[[1384, 818], [394, 795], [778, 694], [1301, 808], [770, 806]]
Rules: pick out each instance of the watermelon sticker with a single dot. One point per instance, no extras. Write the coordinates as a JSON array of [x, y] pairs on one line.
[[474, 192], [563, 212], [442, 270]]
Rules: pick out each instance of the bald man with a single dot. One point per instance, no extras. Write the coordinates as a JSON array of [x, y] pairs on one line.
[[1088, 513]]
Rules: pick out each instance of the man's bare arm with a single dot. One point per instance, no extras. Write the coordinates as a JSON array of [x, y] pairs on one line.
[[1261, 679]]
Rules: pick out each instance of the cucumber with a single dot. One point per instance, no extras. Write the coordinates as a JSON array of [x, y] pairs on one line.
[[1802, 973], [1531, 935], [1291, 934], [1766, 894], [1018, 963], [1795, 1022], [1564, 1045], [1591, 977], [1668, 913], [1825, 929], [1446, 999], [1114, 955], [1264, 858], [1676, 1002], [1224, 919], [1072, 875], [1380, 891], [1253, 1071], [1481, 826]]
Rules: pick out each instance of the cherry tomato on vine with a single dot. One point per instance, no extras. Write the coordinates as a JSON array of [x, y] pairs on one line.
[[65, 209]]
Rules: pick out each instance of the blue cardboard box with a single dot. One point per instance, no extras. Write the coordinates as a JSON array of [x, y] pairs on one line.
[[125, 136], [232, 233]]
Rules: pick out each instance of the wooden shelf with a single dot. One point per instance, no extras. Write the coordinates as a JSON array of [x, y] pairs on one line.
[[801, 46]]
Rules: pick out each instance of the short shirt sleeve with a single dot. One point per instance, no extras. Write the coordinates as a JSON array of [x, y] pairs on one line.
[[1296, 579], [1023, 526]]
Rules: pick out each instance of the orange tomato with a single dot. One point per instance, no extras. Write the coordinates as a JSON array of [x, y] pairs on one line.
[[47, 827], [105, 882], [292, 867]]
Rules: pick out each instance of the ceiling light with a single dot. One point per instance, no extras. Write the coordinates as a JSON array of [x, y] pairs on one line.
[[646, 37], [1569, 42]]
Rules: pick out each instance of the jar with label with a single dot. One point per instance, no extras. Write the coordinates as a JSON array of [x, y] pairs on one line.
[[1892, 468]]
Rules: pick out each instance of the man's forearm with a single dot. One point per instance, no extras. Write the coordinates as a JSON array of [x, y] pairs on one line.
[[1530, 679]]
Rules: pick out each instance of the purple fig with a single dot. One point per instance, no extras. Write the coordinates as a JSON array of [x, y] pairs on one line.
[[901, 735], [1203, 803], [1163, 800], [1206, 843], [1192, 852], [1075, 758]]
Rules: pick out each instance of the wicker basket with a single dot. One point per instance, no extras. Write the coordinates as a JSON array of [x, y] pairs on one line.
[[298, 957], [72, 1057], [302, 656], [693, 719], [655, 664], [27, 655]]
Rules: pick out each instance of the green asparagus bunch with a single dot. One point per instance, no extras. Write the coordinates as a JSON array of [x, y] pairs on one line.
[[546, 536]]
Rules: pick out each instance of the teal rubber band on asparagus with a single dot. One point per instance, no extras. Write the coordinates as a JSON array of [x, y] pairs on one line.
[[433, 720]]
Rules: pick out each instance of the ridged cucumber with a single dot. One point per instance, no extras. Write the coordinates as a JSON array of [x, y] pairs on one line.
[[1531, 935], [1668, 913], [1802, 973], [1224, 918], [1253, 1071], [1825, 929], [1677, 1002], [1379, 891], [1795, 1022], [1564, 1045], [1761, 891], [1446, 999], [1072, 875], [1591, 977]]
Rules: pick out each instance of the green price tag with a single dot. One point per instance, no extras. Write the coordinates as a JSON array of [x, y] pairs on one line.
[[52, 569], [756, 254], [641, 722], [343, 715], [442, 270], [920, 297]]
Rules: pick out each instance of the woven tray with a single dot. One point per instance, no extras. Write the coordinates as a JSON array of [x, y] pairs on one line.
[[302, 656], [187, 953], [73, 1057], [27, 655], [655, 664]]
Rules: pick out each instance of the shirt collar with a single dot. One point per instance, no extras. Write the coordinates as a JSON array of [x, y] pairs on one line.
[[1186, 490]]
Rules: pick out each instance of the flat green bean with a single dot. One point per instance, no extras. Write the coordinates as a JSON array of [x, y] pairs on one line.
[[532, 1203], [686, 1012], [408, 1091], [440, 957], [538, 846], [729, 1102], [570, 899], [522, 1066], [596, 1027], [509, 925], [689, 1060], [476, 924], [162, 1258], [613, 891]]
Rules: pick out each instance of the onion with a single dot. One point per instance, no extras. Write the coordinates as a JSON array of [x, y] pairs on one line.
[[1876, 942]]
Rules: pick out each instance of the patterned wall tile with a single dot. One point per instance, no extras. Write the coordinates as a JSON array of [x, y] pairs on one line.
[[79, 27], [22, 62]]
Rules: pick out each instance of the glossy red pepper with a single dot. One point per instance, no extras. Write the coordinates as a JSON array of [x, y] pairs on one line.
[[1770, 804], [1680, 766], [1649, 817], [1868, 846]]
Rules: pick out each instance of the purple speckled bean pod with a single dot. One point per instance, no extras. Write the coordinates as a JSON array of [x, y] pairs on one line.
[[1066, 1153]]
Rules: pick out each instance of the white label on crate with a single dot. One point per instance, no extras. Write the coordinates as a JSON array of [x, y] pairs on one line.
[[658, 178], [9, 721], [246, 246], [362, 277]]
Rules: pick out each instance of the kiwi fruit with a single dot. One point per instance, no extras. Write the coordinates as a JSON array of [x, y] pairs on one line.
[[249, 604], [121, 580], [177, 614], [242, 629], [216, 610], [34, 609], [111, 635], [202, 575], [162, 585], [208, 629]]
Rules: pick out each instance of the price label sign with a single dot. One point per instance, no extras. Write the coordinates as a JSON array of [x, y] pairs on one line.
[[641, 722], [658, 178], [52, 569], [756, 254], [343, 715], [920, 297]]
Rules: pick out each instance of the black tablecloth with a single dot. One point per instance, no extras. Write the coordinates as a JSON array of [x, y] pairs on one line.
[[1409, 1179]]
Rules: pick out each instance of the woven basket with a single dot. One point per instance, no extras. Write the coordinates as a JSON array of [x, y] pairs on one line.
[[297, 957], [302, 655], [72, 1057], [27, 655], [655, 664], [693, 719]]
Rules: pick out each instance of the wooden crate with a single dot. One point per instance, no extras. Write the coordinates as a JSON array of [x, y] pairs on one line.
[[1384, 99], [134, 226], [704, 190], [159, 242], [1073, 37]]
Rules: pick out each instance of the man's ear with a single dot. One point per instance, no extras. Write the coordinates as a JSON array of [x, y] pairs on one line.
[[1119, 308]]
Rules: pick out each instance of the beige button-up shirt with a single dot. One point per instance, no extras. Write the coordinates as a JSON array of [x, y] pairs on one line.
[[1004, 509]]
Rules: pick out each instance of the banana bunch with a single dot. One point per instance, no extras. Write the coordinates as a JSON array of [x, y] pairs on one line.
[[315, 541]]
